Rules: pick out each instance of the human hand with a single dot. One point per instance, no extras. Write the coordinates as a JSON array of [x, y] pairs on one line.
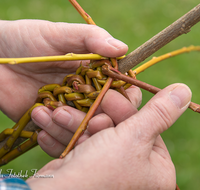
[[131, 155], [60, 125], [26, 38]]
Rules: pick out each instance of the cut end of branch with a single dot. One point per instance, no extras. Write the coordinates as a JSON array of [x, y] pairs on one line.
[[194, 107]]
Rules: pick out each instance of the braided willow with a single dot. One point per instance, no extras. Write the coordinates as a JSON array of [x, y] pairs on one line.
[[77, 90], [85, 89]]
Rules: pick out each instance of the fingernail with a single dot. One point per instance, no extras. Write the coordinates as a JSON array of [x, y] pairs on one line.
[[47, 140], [42, 118], [63, 118], [181, 96], [116, 43]]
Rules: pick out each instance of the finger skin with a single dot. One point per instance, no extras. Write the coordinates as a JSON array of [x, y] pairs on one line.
[[88, 38], [56, 135], [57, 122], [158, 114], [42, 116], [99, 122], [34, 38], [135, 95], [136, 144], [130, 155], [96, 124], [118, 107], [51, 38], [60, 127], [49, 144], [114, 108]]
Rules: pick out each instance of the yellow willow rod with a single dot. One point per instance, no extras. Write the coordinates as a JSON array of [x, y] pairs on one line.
[[67, 57], [155, 60]]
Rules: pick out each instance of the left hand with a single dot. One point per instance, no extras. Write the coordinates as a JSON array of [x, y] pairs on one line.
[[19, 84]]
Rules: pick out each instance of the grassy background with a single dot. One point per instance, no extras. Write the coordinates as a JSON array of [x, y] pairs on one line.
[[133, 22]]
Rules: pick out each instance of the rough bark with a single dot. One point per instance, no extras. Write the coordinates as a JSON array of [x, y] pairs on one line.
[[179, 27]]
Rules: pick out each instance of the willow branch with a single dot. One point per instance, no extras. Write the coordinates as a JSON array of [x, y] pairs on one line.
[[80, 10], [29, 144], [179, 27], [155, 60], [89, 115], [67, 57], [31, 127], [93, 108], [107, 71]]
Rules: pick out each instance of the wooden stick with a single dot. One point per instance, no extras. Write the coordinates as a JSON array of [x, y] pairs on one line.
[[80, 10], [179, 27], [67, 57], [89, 114], [108, 71]]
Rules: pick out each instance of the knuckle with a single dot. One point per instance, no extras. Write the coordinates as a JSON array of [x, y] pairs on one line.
[[63, 136], [135, 95], [162, 113]]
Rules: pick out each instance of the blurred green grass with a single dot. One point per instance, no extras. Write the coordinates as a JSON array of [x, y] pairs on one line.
[[133, 22]]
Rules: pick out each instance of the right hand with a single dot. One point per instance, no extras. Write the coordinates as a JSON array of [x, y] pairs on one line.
[[129, 153]]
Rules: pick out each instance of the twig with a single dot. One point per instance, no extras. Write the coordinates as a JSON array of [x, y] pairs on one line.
[[67, 57], [89, 115], [155, 60], [29, 144], [177, 187], [105, 70], [11, 142], [179, 27], [84, 15]]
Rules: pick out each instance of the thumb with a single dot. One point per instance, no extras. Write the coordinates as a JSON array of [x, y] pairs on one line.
[[83, 38], [158, 114]]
